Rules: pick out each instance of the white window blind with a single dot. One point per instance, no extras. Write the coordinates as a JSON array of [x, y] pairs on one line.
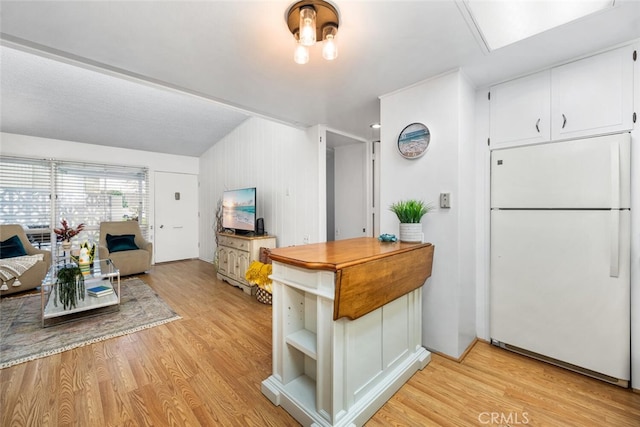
[[85, 193], [25, 194], [91, 193]]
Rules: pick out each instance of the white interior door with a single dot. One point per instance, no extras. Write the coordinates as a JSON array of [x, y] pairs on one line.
[[350, 191], [176, 216]]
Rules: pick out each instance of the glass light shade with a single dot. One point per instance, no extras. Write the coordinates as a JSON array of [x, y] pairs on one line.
[[329, 48], [301, 54], [307, 26]]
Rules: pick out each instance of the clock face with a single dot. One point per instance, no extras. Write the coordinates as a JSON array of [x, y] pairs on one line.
[[413, 141]]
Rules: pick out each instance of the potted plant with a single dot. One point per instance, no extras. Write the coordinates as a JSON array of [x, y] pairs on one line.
[[410, 213], [66, 232], [69, 286]]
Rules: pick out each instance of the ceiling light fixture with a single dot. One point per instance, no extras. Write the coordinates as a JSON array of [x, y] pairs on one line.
[[312, 20]]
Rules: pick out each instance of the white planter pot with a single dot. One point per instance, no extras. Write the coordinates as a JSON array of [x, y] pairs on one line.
[[411, 233]]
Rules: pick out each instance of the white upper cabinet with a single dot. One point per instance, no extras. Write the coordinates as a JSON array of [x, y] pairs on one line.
[[521, 111], [588, 97], [593, 96]]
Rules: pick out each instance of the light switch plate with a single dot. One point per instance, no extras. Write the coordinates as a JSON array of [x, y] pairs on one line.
[[445, 200]]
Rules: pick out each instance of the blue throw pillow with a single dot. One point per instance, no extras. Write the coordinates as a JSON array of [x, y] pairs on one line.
[[12, 247], [124, 242]]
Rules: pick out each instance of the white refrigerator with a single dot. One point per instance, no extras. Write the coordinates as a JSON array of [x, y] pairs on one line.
[[560, 254]]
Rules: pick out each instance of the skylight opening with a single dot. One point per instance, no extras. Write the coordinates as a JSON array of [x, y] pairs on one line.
[[502, 23]]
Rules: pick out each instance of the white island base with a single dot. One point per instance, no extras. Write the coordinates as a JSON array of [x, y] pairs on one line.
[[330, 372], [298, 397]]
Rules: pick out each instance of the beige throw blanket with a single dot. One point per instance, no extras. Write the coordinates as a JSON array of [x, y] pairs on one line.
[[14, 267]]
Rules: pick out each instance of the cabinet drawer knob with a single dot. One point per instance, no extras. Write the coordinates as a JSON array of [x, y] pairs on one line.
[[537, 126], [564, 121]]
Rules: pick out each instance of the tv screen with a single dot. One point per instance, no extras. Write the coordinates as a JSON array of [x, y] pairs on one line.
[[239, 209]]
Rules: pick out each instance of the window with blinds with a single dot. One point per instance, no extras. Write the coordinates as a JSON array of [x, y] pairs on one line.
[[85, 193], [25, 193]]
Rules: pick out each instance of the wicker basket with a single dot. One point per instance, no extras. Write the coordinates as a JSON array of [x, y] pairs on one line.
[[263, 296]]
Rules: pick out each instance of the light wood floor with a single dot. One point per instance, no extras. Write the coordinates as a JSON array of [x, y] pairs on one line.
[[206, 369]]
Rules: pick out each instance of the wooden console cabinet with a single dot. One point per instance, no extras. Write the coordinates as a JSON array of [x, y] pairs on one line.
[[347, 321], [235, 253]]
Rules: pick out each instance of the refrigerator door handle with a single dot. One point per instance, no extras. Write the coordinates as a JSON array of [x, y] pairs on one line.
[[615, 175], [614, 262]]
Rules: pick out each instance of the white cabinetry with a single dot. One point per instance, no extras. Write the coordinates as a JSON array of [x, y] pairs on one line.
[[521, 111], [235, 253], [587, 97], [593, 96]]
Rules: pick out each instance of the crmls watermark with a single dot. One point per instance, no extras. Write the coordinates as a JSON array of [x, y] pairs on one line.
[[503, 418]]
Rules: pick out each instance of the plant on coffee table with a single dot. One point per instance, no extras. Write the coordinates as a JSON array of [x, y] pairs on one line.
[[66, 232], [69, 286]]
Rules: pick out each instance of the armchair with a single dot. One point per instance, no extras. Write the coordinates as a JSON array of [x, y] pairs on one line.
[[123, 243], [32, 278]]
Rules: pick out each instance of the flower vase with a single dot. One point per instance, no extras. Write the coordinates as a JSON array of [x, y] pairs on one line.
[[66, 245], [85, 267]]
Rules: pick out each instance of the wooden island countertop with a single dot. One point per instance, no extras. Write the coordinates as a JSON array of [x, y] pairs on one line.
[[369, 273]]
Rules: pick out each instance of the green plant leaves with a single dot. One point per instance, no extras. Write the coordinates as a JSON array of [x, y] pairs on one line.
[[410, 211]]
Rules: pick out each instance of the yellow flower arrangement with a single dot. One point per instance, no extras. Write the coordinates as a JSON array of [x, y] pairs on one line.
[[258, 274]]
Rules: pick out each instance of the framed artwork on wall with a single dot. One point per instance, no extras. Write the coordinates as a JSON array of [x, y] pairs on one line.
[[413, 141]]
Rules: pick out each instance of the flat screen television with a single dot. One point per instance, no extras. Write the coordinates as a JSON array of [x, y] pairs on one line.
[[239, 210]]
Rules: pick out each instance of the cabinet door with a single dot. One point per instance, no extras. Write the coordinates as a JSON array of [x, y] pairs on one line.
[[593, 96], [232, 257], [242, 265], [520, 111], [223, 261]]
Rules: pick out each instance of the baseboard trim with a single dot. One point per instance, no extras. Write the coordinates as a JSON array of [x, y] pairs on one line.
[[462, 356]]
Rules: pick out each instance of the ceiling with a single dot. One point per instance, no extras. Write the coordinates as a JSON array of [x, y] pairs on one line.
[[176, 76]]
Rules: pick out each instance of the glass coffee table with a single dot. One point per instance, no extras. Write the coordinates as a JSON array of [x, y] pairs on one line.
[[102, 273]]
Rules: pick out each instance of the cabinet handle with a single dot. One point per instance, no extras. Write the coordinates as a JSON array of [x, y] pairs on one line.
[[538, 127], [564, 121]]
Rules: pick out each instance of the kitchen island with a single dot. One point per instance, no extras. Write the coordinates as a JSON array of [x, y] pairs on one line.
[[346, 327]]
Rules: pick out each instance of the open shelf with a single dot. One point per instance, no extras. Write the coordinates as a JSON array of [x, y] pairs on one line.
[[305, 341], [303, 389], [89, 303]]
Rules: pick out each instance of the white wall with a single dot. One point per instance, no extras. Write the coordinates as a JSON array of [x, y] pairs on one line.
[[445, 105], [287, 167], [467, 214], [635, 235], [34, 147], [483, 205]]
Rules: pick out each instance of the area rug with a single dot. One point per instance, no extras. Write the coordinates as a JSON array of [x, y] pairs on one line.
[[22, 337]]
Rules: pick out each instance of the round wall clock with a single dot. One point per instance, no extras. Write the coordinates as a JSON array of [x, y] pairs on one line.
[[413, 141]]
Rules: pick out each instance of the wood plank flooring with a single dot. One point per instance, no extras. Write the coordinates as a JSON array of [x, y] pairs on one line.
[[206, 370]]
